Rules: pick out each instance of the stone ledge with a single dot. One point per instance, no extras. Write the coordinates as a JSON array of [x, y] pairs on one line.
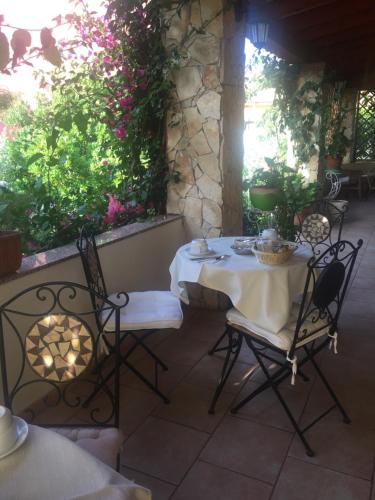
[[39, 261]]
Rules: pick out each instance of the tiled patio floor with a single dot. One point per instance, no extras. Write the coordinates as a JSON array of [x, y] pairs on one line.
[[182, 453]]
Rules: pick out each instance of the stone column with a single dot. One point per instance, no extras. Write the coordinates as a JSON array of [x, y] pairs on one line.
[[313, 72], [205, 123], [350, 102]]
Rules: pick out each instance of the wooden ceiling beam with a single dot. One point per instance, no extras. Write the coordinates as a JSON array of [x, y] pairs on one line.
[[283, 9], [342, 24]]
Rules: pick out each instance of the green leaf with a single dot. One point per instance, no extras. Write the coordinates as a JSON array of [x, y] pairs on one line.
[[34, 158], [52, 139]]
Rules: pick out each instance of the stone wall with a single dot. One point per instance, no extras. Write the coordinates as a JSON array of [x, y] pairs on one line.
[[205, 123]]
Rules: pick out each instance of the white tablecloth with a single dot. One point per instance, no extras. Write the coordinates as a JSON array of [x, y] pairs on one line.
[[50, 467], [264, 294]]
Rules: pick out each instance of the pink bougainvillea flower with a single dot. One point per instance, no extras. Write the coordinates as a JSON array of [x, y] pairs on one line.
[[32, 245], [120, 132], [141, 73], [126, 101], [139, 209], [114, 210], [107, 59]]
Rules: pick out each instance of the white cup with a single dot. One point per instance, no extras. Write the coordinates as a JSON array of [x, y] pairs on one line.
[[198, 246], [269, 234], [8, 430]]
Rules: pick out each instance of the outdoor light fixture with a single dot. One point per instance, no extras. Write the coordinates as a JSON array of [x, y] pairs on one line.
[[258, 29]]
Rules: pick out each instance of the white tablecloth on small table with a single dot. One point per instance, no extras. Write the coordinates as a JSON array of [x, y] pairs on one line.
[[264, 294], [50, 467]]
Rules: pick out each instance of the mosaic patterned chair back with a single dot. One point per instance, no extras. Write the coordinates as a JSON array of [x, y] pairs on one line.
[[93, 271], [326, 284], [322, 228], [49, 339]]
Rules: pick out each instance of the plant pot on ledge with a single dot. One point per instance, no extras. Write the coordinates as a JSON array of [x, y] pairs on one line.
[[333, 161], [264, 198], [10, 252]]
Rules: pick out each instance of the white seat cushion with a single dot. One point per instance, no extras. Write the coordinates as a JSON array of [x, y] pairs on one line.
[[146, 311], [284, 338], [104, 443]]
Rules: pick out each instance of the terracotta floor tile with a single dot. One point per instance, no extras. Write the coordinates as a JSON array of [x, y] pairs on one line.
[[266, 408], [163, 449], [248, 448], [207, 372], [208, 482], [338, 446], [189, 406], [167, 379], [160, 489], [135, 407], [301, 480], [354, 385], [182, 350]]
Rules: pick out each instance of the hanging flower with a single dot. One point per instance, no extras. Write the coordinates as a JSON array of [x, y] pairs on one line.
[[120, 132], [114, 210]]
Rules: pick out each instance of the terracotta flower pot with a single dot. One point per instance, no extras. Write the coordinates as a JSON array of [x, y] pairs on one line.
[[264, 198], [299, 217], [10, 252], [333, 162]]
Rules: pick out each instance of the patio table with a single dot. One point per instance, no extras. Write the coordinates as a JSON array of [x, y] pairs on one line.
[[49, 465], [263, 294]]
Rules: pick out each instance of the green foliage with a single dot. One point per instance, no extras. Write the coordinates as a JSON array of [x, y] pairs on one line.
[[295, 108], [94, 152], [296, 194]]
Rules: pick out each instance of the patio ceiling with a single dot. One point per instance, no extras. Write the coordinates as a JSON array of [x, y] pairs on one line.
[[339, 32]]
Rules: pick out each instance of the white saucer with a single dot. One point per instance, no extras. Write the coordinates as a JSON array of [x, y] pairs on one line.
[[22, 431], [201, 254]]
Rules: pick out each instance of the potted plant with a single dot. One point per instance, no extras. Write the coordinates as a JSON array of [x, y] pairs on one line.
[[336, 141], [265, 186], [298, 196], [12, 211]]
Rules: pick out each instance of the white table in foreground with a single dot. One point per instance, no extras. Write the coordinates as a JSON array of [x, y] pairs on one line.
[[49, 466], [264, 294]]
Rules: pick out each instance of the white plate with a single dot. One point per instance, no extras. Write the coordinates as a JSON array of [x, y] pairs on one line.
[[201, 254], [22, 431]]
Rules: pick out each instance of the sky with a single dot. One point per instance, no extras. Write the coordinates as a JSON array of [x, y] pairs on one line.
[[33, 14]]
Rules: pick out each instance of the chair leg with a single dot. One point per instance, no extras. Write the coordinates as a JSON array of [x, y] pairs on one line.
[[215, 347], [153, 387], [140, 343], [345, 416], [234, 348], [274, 385]]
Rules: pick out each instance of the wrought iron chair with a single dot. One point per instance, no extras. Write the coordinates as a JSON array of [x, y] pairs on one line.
[[142, 313], [50, 349], [312, 327]]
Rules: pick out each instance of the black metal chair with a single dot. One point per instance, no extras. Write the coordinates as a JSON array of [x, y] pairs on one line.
[[142, 313], [312, 327], [50, 349]]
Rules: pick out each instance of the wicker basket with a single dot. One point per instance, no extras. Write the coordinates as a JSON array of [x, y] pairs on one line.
[[272, 258]]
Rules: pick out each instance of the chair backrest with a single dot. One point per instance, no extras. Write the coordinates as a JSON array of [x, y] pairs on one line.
[[91, 265], [50, 351], [326, 284], [322, 228]]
